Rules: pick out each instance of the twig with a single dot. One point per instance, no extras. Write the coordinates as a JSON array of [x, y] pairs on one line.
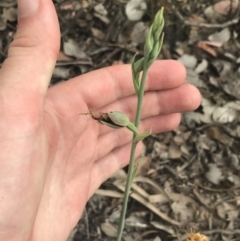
[[217, 190], [207, 206], [8, 5], [76, 62], [141, 236], [87, 223], [66, 63]]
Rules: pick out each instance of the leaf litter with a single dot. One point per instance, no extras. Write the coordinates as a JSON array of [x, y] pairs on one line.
[[187, 178]]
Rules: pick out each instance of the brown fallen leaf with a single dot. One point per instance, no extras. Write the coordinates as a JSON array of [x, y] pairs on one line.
[[215, 134], [143, 163], [203, 45], [223, 7]]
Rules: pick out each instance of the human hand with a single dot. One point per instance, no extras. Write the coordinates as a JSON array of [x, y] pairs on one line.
[[53, 159]]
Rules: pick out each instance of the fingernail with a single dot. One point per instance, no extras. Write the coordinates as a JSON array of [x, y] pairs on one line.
[[27, 7]]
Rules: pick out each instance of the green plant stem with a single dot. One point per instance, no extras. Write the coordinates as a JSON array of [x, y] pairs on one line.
[[132, 155], [126, 193]]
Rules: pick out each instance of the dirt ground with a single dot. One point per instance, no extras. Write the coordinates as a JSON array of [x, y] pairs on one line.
[[188, 179]]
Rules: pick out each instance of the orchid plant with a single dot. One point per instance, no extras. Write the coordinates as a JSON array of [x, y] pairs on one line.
[[116, 119]]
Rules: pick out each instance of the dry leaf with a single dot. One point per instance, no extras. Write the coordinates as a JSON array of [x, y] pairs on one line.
[[139, 33], [214, 44], [10, 14], [100, 9], [163, 227], [183, 207], [61, 72], [109, 229], [189, 61], [135, 9], [157, 239], [71, 48], [97, 33], [143, 164], [158, 198], [146, 203], [208, 49], [215, 133], [201, 66], [136, 221], [222, 37], [223, 114], [109, 193], [3, 23], [227, 211], [223, 7], [174, 151], [214, 174], [120, 174]]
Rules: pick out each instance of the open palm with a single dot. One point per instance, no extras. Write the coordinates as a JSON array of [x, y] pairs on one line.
[[52, 158]]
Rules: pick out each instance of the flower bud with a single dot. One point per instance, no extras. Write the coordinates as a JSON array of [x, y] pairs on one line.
[[119, 118], [116, 119]]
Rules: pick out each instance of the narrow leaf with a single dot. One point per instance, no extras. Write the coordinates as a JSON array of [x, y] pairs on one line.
[[141, 136], [135, 75], [138, 65], [148, 46]]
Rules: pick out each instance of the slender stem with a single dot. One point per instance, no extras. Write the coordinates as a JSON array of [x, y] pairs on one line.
[[126, 193], [132, 155]]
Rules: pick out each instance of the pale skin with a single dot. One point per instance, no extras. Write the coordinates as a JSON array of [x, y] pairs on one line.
[[53, 159]]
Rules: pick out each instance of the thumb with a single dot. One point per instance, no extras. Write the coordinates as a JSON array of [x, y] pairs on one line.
[[26, 72]]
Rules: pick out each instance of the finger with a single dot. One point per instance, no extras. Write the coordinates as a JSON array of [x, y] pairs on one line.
[[177, 100], [181, 99], [115, 138], [26, 72], [107, 85], [111, 163]]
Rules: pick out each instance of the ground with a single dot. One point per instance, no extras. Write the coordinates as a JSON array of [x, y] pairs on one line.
[[188, 179]]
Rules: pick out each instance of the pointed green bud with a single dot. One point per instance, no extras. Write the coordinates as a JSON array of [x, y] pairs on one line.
[[116, 119], [158, 24], [156, 50], [152, 45], [148, 46]]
